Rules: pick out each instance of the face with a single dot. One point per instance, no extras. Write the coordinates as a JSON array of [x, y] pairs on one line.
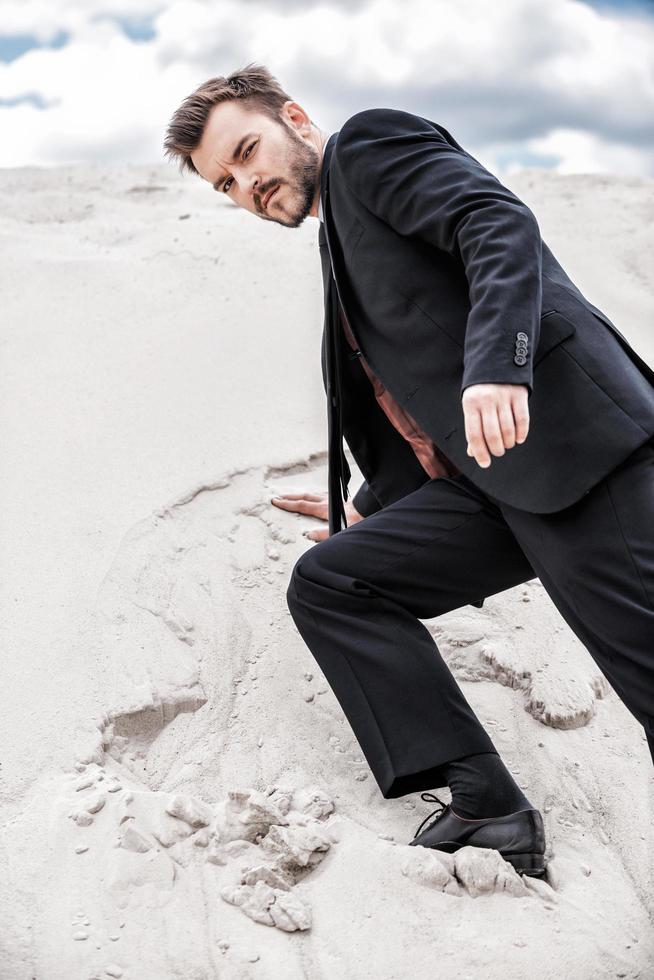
[[246, 154]]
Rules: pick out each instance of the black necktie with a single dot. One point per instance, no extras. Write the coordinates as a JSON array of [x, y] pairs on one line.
[[339, 470]]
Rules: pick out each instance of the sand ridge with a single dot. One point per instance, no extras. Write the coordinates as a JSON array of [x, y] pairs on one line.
[[211, 691]]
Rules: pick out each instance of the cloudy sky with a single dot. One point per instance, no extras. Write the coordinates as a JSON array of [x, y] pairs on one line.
[[566, 85]]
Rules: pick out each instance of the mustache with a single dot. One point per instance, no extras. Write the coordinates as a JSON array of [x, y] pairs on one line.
[[261, 195]]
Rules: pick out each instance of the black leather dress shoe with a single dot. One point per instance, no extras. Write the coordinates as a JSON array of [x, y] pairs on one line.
[[519, 836]]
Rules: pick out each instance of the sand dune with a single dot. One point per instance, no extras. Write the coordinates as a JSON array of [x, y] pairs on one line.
[[182, 796]]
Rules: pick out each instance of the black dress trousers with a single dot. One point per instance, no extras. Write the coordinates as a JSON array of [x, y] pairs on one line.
[[357, 599]]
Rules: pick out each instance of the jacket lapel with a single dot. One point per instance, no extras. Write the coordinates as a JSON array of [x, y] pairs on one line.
[[368, 432]]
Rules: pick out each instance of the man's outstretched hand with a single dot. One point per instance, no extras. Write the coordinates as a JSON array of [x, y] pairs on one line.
[[314, 505], [496, 418]]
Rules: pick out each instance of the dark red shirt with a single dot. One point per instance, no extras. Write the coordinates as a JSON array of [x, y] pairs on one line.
[[433, 461]]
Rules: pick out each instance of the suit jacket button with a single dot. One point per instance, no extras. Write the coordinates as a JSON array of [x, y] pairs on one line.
[[521, 348], [522, 336], [520, 359]]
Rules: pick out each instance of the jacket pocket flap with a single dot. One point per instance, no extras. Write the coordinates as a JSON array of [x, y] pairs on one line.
[[554, 328]]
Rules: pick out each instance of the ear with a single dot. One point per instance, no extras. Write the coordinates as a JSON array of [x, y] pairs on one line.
[[297, 116]]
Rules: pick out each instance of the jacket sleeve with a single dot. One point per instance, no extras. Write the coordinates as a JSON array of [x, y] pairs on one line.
[[365, 502], [407, 173]]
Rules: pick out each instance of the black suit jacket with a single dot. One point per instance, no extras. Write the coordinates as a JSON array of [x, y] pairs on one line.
[[446, 282]]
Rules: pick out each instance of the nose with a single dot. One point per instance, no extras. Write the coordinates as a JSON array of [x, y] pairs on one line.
[[256, 183]]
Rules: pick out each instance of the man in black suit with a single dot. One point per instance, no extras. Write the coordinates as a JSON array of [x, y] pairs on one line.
[[482, 346]]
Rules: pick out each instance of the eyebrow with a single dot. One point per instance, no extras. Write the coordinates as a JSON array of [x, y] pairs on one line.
[[235, 155]]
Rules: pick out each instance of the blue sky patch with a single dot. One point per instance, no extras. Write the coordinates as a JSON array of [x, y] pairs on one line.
[[640, 7], [27, 98], [13, 46]]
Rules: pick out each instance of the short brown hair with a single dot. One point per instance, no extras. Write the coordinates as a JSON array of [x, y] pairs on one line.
[[254, 84]]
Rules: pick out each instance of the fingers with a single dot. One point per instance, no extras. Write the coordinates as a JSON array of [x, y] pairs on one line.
[[521, 416], [301, 496], [308, 504], [506, 425], [311, 504], [318, 535], [496, 418], [485, 435]]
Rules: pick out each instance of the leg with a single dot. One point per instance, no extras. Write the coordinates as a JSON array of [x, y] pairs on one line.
[[596, 561], [357, 599]]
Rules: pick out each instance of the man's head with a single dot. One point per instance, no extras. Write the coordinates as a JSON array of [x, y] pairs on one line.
[[246, 137]]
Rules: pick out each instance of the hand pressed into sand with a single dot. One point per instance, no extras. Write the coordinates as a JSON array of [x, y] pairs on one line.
[[314, 505]]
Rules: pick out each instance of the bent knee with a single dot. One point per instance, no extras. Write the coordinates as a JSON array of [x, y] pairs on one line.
[[315, 566], [303, 571]]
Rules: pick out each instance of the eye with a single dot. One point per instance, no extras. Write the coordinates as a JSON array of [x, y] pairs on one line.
[[245, 156]]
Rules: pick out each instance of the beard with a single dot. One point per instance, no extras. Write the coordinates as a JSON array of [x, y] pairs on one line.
[[300, 187]]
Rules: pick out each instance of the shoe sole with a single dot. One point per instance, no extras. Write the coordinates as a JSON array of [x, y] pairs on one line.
[[532, 865]]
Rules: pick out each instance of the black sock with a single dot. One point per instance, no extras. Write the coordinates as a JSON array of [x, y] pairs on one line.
[[482, 786]]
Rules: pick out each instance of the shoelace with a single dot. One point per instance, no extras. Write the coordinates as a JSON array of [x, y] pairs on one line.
[[438, 812]]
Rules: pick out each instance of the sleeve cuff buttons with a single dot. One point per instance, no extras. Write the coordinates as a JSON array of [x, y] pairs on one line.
[[521, 347]]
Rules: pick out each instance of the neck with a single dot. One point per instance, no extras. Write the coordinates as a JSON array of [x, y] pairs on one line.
[[319, 142]]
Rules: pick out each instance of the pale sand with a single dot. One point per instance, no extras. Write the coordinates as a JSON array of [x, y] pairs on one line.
[[181, 794]]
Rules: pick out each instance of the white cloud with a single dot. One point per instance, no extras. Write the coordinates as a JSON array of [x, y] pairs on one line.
[[105, 92], [558, 79], [45, 20], [578, 152]]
